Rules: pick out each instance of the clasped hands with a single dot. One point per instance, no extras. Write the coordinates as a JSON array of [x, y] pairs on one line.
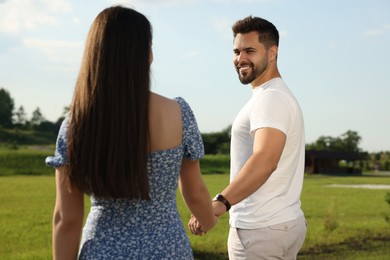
[[196, 227]]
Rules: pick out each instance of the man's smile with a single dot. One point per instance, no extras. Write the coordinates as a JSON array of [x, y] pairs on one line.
[[244, 68]]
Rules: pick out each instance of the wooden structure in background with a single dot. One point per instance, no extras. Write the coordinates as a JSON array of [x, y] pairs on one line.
[[329, 162]]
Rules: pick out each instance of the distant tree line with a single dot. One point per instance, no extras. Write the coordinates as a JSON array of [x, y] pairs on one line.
[[17, 127], [11, 118], [19, 124], [347, 142], [217, 142]]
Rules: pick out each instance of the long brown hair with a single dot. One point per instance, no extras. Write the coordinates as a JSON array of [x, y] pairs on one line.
[[108, 136]]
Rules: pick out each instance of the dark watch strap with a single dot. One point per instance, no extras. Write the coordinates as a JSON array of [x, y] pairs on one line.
[[219, 197]]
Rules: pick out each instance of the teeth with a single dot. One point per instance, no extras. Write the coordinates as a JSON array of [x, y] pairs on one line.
[[246, 66]]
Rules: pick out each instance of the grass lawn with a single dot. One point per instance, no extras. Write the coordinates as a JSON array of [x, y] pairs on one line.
[[343, 223]]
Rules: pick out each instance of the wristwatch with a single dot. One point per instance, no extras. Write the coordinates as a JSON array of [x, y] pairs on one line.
[[219, 197]]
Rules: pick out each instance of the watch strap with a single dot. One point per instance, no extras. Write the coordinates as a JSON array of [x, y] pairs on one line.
[[219, 197]]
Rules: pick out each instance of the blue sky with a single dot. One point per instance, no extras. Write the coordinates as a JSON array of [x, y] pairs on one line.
[[334, 55]]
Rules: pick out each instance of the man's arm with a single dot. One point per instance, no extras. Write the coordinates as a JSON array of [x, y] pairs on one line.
[[267, 150]]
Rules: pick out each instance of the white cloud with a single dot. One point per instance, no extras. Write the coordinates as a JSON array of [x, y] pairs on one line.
[[151, 2], [283, 34], [255, 1], [333, 46], [373, 33], [61, 54], [223, 26], [58, 6], [21, 15], [190, 54], [376, 32], [243, 1]]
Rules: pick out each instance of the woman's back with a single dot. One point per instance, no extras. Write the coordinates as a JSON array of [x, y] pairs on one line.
[[165, 123], [149, 227]]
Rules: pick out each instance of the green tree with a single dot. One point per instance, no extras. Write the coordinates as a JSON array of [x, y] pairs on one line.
[[347, 142], [66, 111], [6, 109], [20, 117], [217, 142], [37, 117], [350, 141]]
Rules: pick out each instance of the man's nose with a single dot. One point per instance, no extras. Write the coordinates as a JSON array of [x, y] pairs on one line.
[[241, 57]]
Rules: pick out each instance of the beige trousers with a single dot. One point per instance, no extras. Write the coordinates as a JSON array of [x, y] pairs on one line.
[[281, 241]]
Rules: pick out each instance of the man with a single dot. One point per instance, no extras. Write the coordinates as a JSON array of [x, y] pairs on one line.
[[267, 154]]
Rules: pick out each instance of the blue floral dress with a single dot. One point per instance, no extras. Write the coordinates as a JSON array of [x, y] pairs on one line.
[[141, 229]]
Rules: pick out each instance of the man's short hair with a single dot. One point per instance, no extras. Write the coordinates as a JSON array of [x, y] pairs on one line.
[[268, 34]]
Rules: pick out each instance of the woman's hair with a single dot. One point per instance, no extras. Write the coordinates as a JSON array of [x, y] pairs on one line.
[[268, 34], [108, 136]]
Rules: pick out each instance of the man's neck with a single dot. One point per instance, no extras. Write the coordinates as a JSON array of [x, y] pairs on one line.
[[264, 78]]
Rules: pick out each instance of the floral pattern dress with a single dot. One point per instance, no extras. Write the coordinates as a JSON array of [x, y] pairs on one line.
[[141, 229]]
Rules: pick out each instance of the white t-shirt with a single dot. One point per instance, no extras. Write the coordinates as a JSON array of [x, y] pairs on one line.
[[278, 199]]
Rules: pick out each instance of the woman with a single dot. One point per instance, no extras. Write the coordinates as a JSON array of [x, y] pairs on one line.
[[129, 149]]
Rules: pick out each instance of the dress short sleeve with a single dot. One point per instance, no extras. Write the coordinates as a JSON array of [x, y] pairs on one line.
[[192, 139], [60, 158]]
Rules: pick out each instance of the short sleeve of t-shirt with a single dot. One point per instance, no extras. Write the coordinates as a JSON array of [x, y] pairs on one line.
[[270, 109], [192, 139], [59, 158]]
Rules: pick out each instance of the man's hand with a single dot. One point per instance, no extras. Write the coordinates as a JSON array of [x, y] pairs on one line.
[[219, 208]]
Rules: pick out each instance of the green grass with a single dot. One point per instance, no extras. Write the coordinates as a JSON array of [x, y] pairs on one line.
[[343, 223], [345, 220], [25, 217]]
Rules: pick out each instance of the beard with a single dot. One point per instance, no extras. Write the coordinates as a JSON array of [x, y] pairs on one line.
[[255, 71]]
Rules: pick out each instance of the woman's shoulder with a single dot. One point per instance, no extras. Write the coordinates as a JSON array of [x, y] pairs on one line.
[[170, 104], [162, 101]]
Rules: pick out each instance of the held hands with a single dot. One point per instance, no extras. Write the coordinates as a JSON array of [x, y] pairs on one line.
[[194, 225], [197, 229]]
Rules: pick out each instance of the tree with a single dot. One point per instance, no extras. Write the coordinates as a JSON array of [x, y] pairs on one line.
[[217, 143], [351, 140], [21, 117], [65, 112], [37, 117], [6, 108], [347, 142]]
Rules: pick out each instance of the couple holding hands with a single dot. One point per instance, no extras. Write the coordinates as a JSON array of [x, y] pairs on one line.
[[129, 149]]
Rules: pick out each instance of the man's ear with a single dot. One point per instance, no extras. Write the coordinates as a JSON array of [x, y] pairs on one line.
[[273, 53], [151, 56]]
